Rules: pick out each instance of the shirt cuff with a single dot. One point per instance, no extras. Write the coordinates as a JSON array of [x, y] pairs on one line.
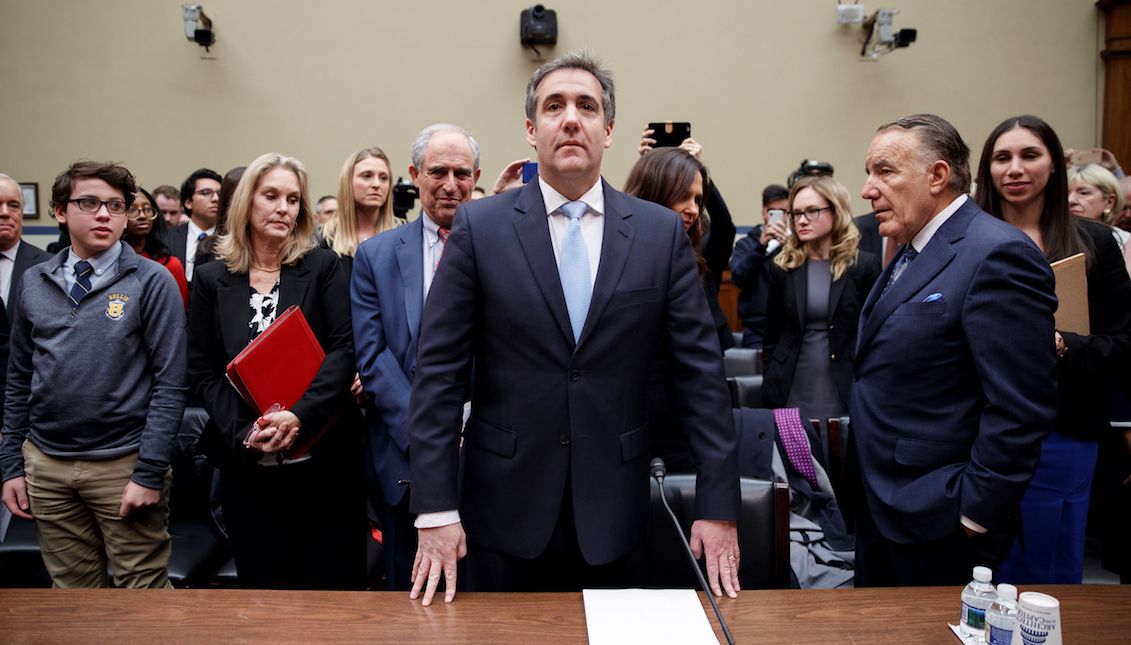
[[434, 520], [972, 525]]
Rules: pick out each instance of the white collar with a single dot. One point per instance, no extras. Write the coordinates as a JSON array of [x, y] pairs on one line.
[[594, 198], [935, 223]]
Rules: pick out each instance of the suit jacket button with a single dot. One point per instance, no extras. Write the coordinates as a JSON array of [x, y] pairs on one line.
[[563, 439], [412, 373], [575, 375]]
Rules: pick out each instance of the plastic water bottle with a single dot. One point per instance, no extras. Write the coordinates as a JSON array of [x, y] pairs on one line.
[[1002, 616], [976, 598]]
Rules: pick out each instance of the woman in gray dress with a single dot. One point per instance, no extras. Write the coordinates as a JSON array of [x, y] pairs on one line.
[[818, 284]]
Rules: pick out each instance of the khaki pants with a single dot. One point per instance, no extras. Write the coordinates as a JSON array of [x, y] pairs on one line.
[[75, 504]]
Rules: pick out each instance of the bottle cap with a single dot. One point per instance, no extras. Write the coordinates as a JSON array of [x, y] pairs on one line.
[[983, 574], [1007, 591]]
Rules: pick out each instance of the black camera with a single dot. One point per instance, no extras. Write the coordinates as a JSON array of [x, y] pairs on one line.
[[538, 26], [810, 168], [405, 194]]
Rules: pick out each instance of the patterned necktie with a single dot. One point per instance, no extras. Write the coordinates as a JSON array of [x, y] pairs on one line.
[[443, 234], [573, 268], [900, 266], [82, 281], [796, 443]]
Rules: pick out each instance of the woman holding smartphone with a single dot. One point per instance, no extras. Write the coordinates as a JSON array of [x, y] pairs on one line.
[[1022, 180], [818, 284]]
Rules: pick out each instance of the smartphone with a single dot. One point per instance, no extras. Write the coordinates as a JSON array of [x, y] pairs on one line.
[[1085, 157], [775, 215], [529, 171], [669, 134]]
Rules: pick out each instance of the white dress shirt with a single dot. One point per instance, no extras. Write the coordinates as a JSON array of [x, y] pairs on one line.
[[433, 248], [194, 232], [7, 268]]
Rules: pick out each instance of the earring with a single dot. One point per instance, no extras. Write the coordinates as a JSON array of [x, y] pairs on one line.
[[1107, 211]]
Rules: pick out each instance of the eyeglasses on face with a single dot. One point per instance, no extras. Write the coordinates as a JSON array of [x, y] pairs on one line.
[[92, 205], [141, 213], [207, 193], [811, 213]]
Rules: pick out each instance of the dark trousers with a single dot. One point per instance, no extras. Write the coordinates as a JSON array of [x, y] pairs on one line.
[[949, 561], [299, 526], [398, 539], [561, 567]]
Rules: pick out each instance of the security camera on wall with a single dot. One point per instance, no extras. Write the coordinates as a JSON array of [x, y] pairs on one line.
[[198, 27], [880, 37], [538, 26]]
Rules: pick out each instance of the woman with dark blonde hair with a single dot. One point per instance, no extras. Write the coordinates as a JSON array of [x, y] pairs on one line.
[[365, 206], [292, 523], [818, 283]]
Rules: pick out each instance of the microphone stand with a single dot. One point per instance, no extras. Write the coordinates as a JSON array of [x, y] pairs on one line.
[[659, 471]]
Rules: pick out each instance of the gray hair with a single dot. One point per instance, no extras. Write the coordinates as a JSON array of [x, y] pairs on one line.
[[584, 61], [1104, 181], [420, 143], [940, 139], [4, 177]]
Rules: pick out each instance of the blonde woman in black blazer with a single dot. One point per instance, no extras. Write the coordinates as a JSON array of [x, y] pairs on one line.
[[818, 283]]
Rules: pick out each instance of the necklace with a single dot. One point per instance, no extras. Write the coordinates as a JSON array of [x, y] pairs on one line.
[[259, 268]]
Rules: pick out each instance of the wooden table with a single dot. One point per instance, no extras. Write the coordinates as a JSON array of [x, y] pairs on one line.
[[1090, 613]]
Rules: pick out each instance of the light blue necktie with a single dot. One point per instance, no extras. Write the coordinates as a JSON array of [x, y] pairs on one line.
[[573, 268]]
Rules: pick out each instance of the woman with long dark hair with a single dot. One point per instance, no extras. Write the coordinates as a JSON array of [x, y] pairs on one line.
[[1022, 179]]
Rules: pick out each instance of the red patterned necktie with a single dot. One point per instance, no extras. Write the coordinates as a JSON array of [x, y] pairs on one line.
[[443, 234]]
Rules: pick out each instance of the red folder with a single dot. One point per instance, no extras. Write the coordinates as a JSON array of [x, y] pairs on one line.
[[278, 367]]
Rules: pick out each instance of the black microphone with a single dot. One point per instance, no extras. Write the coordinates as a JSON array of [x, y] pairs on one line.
[[659, 470]]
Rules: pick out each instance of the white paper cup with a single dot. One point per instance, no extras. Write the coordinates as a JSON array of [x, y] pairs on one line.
[[1038, 620]]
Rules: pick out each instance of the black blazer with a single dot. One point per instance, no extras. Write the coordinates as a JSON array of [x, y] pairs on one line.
[[1095, 360], [218, 331], [870, 238], [785, 326], [26, 257], [176, 239]]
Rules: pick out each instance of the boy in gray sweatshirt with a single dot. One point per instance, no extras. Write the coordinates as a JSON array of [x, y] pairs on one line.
[[96, 388]]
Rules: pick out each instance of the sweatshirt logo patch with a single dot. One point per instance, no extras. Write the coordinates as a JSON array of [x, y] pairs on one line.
[[116, 305]]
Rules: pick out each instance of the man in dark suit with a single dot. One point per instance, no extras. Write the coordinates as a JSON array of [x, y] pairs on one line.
[[749, 264], [392, 274], [200, 198], [561, 292], [16, 256], [955, 368]]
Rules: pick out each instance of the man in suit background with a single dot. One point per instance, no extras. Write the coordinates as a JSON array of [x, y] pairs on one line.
[[749, 263], [392, 274], [16, 256], [562, 291], [955, 368], [200, 198], [169, 204]]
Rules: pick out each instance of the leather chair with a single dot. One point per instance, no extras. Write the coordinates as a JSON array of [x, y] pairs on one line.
[[745, 391], [742, 361], [21, 564], [763, 535], [200, 548]]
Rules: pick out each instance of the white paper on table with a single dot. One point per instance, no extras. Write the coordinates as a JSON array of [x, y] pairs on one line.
[[968, 639], [651, 616]]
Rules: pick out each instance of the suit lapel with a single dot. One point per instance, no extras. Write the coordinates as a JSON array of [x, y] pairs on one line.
[[799, 282], [836, 289], [410, 261], [233, 299], [532, 226], [615, 244], [935, 256]]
